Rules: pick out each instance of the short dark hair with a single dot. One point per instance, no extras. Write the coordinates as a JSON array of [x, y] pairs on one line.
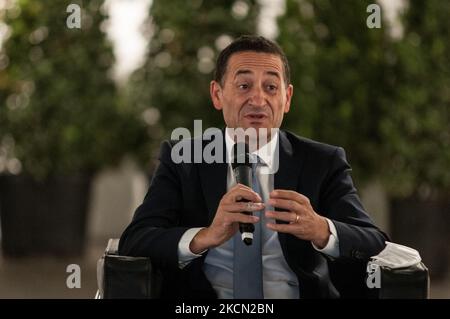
[[249, 43]]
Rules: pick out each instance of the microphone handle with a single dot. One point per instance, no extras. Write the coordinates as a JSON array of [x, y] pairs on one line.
[[243, 175], [246, 229]]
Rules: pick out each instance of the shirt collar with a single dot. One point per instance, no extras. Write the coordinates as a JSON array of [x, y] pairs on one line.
[[266, 153]]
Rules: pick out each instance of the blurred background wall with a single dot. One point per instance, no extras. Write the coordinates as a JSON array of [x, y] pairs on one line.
[[82, 113]]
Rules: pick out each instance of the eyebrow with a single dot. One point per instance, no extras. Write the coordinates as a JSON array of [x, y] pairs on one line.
[[246, 71]]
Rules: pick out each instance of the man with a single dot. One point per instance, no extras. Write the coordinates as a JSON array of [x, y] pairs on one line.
[[307, 214]]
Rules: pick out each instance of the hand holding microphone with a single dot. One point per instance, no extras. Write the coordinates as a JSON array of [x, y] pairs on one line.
[[242, 170], [232, 212], [228, 216]]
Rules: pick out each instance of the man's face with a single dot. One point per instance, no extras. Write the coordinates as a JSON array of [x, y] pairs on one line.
[[253, 91]]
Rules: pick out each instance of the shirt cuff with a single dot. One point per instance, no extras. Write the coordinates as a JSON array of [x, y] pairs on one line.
[[185, 255], [332, 247]]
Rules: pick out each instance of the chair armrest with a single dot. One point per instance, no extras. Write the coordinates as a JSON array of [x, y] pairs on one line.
[[398, 272], [405, 283], [126, 277], [113, 247]]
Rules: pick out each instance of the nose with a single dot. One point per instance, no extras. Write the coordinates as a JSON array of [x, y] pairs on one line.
[[257, 97]]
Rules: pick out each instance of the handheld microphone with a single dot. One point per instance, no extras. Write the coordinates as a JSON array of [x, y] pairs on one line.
[[242, 170]]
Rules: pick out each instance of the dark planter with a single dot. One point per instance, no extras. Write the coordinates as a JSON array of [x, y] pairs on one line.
[[43, 218], [425, 226]]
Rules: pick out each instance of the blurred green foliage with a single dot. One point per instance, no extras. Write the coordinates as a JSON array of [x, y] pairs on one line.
[[59, 109], [416, 131], [338, 68], [385, 100], [187, 37]]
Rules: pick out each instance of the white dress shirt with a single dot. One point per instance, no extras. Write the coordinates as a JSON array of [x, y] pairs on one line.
[[279, 281]]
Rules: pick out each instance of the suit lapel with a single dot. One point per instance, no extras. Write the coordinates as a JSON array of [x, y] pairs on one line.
[[289, 167], [288, 171], [213, 179]]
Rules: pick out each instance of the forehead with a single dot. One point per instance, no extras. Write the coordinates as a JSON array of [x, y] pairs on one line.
[[254, 62]]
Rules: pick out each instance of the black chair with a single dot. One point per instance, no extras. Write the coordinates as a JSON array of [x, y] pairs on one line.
[[411, 282], [126, 277], [134, 277]]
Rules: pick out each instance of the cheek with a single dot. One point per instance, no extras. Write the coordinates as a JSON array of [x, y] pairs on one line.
[[234, 104], [278, 112], [231, 111], [278, 106]]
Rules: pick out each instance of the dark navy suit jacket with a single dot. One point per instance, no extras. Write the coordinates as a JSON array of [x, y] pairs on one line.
[[186, 195]]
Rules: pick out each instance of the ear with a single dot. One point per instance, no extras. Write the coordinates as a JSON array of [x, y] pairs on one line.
[[289, 93], [215, 90]]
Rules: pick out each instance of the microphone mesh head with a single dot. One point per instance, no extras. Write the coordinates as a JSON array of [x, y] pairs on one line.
[[240, 155]]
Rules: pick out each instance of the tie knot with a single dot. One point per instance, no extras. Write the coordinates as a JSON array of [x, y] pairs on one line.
[[256, 161]]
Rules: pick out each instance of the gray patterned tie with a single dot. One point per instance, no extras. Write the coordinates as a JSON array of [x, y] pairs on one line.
[[247, 265]]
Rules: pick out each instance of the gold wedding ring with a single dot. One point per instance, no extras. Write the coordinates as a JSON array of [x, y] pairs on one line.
[[297, 217]]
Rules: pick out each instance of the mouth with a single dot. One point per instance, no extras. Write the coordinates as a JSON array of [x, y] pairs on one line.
[[255, 117]]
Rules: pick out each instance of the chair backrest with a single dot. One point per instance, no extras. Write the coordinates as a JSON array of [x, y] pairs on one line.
[[126, 277]]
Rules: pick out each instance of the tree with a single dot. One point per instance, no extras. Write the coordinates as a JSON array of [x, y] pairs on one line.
[[61, 120], [339, 75], [417, 131], [59, 108], [187, 36]]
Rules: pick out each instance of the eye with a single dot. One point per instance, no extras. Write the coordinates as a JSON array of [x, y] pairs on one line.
[[272, 88], [243, 86]]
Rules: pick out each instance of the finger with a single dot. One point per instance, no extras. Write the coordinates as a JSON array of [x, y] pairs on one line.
[[286, 204], [288, 194], [237, 187], [237, 194], [240, 186], [242, 218], [243, 207], [283, 216], [282, 228]]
